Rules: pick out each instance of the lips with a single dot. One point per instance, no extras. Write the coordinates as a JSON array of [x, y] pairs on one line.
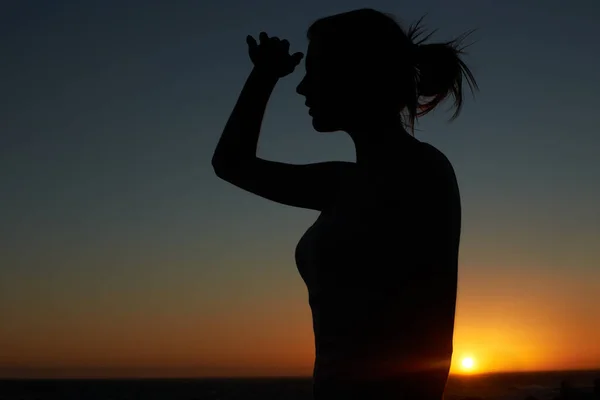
[[311, 109]]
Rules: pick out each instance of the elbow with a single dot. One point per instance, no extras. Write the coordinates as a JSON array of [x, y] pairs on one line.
[[218, 167], [230, 165], [219, 161], [225, 169]]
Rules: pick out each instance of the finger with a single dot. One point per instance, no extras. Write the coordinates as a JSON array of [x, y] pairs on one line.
[[251, 42], [263, 37], [297, 57], [286, 45]]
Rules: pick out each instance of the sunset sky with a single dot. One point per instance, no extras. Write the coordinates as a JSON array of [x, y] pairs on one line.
[[121, 254]]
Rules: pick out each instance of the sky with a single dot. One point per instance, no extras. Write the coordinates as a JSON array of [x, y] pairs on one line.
[[122, 254]]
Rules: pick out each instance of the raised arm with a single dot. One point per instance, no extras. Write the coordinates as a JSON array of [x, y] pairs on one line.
[[308, 186]]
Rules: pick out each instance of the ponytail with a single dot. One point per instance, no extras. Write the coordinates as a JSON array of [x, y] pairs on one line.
[[440, 72]]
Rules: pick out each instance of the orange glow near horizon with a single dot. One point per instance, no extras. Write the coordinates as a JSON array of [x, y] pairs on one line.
[[167, 347], [252, 335]]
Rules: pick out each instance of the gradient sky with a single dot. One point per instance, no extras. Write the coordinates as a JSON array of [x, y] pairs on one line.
[[122, 253]]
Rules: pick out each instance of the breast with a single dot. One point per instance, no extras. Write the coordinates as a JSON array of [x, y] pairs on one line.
[[331, 253], [366, 235]]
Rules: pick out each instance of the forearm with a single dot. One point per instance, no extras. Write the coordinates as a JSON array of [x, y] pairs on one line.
[[239, 140]]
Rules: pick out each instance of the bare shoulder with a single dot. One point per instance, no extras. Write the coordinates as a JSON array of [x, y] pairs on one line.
[[436, 158], [438, 168]]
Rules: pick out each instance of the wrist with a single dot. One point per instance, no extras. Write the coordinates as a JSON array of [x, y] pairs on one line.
[[264, 75]]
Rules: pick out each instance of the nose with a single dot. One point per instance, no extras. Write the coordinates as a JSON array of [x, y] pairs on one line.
[[300, 89]]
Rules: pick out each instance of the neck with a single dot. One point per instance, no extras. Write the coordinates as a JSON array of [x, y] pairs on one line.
[[377, 142]]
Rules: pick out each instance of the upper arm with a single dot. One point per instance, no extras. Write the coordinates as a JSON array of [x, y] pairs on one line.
[[438, 223], [312, 186], [440, 180], [445, 204]]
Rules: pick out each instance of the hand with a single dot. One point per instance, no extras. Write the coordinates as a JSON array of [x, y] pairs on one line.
[[272, 55]]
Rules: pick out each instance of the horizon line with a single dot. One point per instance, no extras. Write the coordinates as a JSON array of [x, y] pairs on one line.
[[269, 377]]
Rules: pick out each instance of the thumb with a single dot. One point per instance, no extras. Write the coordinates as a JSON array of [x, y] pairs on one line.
[[297, 57], [251, 42]]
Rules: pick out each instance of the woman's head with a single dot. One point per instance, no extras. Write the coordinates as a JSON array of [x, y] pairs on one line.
[[362, 65]]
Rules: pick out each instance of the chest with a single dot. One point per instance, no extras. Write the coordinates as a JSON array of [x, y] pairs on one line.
[[363, 232]]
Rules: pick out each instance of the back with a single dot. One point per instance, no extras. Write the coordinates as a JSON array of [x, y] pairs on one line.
[[381, 270]]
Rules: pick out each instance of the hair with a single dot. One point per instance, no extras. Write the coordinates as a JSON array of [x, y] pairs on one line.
[[415, 76]]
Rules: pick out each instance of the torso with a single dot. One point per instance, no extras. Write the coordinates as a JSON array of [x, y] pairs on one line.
[[379, 309]]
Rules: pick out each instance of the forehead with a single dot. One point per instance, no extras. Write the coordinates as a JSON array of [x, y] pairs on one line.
[[312, 52], [320, 54]]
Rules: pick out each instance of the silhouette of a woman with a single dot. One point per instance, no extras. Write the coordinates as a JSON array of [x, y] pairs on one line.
[[381, 261]]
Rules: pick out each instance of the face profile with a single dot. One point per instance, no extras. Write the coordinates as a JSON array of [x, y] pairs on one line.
[[325, 91], [338, 90]]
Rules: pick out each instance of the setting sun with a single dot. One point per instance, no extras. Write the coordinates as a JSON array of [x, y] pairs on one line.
[[468, 363]]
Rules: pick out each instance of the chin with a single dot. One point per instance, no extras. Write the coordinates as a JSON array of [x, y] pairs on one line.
[[324, 125]]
